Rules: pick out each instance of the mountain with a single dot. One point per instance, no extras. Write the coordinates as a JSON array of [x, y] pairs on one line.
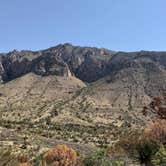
[[138, 75], [56, 61], [77, 94]]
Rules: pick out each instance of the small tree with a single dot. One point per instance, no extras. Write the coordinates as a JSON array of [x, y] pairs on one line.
[[61, 155]]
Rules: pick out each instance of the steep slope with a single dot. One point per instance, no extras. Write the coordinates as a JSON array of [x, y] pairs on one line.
[[31, 97], [133, 79]]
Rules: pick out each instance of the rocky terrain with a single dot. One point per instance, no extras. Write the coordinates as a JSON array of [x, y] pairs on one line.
[[77, 95]]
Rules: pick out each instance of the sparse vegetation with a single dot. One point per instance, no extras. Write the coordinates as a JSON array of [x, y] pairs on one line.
[[97, 158], [43, 105]]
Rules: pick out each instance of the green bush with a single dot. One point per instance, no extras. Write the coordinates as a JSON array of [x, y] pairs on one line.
[[140, 148], [100, 158], [160, 157], [97, 158], [146, 148]]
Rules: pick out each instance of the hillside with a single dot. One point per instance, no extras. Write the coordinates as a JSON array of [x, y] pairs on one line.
[[77, 95]]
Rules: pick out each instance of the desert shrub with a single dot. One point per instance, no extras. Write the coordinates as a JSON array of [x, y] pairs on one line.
[[97, 158], [118, 162], [157, 130], [160, 157], [61, 155], [156, 102], [140, 148], [23, 160], [38, 160], [158, 106], [162, 112], [146, 148], [7, 158], [127, 145], [144, 111], [118, 156]]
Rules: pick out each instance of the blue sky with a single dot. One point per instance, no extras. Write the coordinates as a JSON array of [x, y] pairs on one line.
[[126, 25]]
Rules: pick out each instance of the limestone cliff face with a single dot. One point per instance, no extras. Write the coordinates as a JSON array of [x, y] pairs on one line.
[[141, 73], [16, 64], [88, 64]]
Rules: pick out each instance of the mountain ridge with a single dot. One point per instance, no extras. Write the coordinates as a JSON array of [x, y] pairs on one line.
[[132, 72], [68, 57]]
